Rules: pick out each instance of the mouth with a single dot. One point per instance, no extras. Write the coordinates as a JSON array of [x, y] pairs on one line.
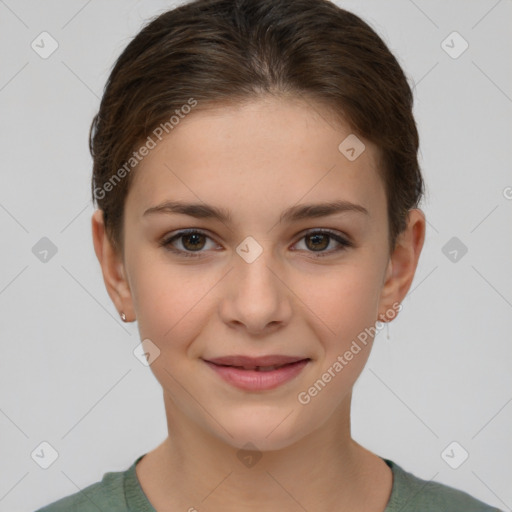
[[262, 363], [260, 373]]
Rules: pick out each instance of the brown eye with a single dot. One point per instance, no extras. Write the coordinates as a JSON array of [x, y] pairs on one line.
[[317, 241], [192, 241]]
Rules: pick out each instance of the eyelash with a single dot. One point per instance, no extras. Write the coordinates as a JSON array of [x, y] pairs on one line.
[[344, 243]]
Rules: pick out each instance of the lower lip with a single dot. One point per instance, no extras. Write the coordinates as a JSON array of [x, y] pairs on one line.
[[252, 380]]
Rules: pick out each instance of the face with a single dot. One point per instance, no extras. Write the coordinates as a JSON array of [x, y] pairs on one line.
[[268, 277]]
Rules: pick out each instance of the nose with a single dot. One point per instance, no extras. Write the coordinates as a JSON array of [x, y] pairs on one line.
[[256, 298]]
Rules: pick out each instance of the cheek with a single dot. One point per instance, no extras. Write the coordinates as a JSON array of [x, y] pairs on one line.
[[344, 305], [170, 300], [344, 300]]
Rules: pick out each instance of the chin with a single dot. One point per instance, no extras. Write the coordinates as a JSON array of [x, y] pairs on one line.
[[254, 439], [267, 431]]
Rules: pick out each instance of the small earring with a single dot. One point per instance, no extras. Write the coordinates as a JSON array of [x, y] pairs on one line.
[[387, 330], [123, 316]]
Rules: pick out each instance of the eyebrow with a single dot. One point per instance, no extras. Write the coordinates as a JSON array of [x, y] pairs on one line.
[[292, 214]]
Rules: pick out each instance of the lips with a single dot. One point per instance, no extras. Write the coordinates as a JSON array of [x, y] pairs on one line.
[[263, 363], [258, 374]]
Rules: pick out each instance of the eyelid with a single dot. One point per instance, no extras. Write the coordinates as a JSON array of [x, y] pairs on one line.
[[333, 232]]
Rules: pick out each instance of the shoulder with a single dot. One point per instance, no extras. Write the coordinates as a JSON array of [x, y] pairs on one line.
[[417, 495], [107, 494]]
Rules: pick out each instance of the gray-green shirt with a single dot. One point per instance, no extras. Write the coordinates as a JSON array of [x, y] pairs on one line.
[[120, 491]]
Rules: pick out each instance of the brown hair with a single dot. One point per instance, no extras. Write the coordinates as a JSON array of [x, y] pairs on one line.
[[222, 51]]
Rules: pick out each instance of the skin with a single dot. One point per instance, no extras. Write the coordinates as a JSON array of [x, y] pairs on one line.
[[257, 159]]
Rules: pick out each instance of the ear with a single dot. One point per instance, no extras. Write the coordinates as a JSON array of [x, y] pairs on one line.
[[112, 267], [402, 265]]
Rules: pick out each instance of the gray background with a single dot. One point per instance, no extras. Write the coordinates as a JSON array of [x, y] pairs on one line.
[[68, 375]]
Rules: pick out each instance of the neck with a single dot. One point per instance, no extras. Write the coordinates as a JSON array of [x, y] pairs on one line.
[[326, 470]]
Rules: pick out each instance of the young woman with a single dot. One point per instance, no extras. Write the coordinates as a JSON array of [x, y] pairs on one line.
[[257, 184]]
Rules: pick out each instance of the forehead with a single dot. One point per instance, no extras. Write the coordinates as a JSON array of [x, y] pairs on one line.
[[259, 156]]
